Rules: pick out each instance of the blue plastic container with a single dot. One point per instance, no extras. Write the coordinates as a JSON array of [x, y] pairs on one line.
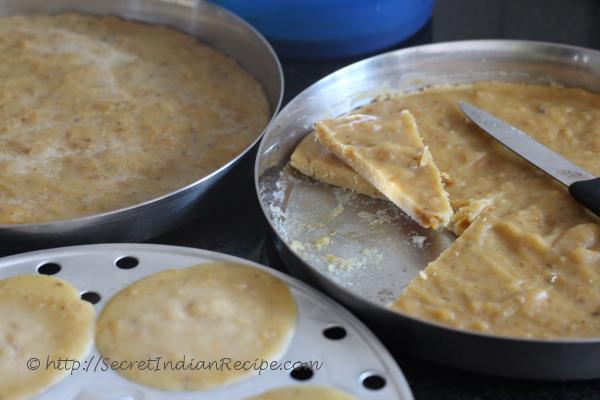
[[332, 28]]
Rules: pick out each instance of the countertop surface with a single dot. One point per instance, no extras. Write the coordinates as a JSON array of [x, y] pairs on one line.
[[237, 225]]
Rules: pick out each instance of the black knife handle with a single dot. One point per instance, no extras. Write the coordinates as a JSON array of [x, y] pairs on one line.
[[587, 193]]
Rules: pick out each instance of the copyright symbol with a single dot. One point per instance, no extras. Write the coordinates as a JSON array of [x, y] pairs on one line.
[[33, 364]]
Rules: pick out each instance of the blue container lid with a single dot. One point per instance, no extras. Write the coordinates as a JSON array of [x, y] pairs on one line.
[[333, 28]]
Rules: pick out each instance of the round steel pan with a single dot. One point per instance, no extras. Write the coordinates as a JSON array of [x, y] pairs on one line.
[[366, 292], [214, 26]]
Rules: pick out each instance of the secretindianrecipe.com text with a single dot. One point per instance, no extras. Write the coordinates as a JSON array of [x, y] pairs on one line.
[[156, 364]]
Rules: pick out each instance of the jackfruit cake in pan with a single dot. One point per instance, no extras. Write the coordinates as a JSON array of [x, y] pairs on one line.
[[100, 113], [526, 262]]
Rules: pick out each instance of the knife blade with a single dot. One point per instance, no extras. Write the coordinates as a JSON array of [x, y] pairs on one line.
[[583, 186]]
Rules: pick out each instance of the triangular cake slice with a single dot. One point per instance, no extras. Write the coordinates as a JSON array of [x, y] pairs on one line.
[[312, 159], [389, 154]]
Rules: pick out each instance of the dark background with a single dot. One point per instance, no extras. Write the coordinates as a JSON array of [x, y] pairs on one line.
[[238, 227]]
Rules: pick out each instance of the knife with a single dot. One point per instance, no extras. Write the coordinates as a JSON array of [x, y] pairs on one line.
[[583, 186]]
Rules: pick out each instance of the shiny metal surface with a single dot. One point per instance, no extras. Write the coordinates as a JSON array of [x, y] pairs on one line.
[[381, 249], [531, 150], [214, 26], [93, 268]]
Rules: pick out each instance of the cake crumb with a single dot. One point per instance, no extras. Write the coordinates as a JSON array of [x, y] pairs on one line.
[[322, 242], [379, 217], [337, 262], [297, 246], [337, 211], [418, 241], [447, 179]]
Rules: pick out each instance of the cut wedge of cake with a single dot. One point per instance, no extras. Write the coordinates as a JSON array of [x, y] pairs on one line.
[[312, 159], [389, 153]]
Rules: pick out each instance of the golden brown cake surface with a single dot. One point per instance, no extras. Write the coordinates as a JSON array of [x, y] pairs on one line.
[[214, 315], [42, 320], [527, 262], [102, 113], [389, 153]]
